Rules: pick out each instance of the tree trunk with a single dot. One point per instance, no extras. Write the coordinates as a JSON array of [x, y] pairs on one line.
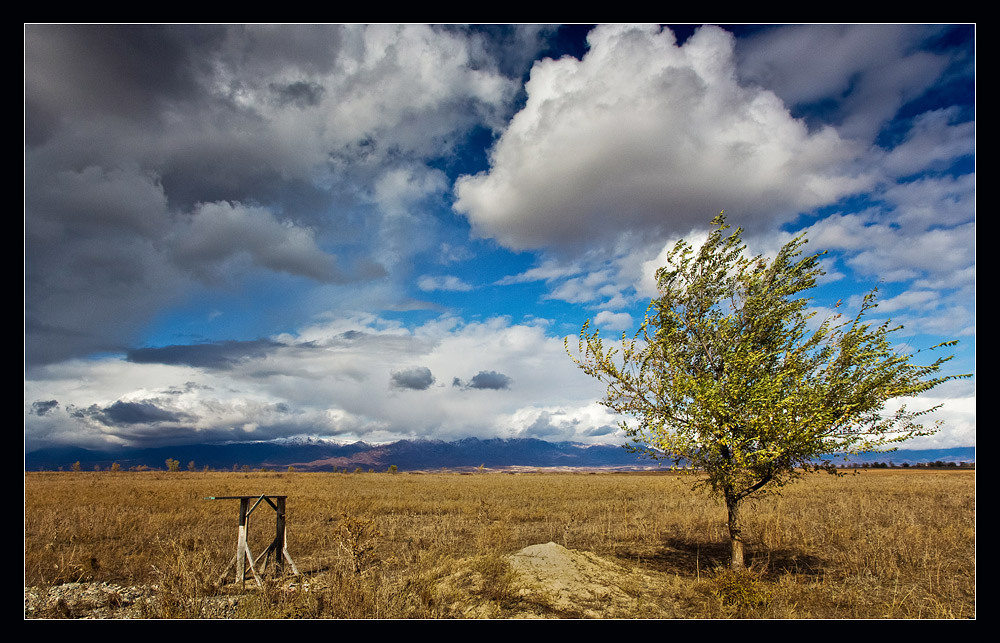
[[735, 535]]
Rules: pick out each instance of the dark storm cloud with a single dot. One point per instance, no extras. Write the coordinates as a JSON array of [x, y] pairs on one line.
[[417, 378], [138, 158], [301, 94], [78, 72], [490, 380], [83, 312], [599, 431], [139, 413], [43, 407], [75, 72], [217, 355]]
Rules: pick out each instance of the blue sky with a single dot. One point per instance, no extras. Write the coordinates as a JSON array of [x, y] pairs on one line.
[[385, 232]]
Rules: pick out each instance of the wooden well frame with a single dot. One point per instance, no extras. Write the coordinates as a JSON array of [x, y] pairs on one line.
[[278, 548]]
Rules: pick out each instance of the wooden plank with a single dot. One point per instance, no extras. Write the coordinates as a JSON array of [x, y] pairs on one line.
[[241, 541], [241, 497]]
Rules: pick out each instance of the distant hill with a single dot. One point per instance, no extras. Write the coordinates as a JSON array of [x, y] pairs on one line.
[[407, 455], [915, 456], [321, 455]]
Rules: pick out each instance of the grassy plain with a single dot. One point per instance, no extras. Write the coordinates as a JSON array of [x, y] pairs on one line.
[[882, 544]]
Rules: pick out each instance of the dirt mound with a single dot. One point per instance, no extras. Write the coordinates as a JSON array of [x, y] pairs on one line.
[[576, 583]]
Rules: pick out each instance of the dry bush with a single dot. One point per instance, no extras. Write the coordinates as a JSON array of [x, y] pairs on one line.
[[359, 538]]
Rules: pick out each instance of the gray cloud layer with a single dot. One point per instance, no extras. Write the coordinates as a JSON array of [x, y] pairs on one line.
[[138, 413], [872, 70], [217, 355], [163, 159], [43, 407]]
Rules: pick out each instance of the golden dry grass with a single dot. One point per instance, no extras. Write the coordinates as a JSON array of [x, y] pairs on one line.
[[883, 544]]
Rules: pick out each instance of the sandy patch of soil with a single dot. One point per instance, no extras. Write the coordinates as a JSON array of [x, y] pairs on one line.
[[577, 583], [550, 581]]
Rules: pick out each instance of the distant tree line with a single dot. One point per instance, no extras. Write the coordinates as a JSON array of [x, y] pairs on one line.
[[937, 464], [173, 465]]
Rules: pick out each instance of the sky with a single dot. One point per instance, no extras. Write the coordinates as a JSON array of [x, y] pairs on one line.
[[386, 232]]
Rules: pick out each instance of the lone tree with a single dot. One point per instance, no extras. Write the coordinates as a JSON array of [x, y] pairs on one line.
[[726, 376]]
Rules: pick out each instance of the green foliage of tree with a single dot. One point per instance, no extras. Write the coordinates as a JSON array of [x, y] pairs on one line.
[[727, 376], [173, 465], [76, 466]]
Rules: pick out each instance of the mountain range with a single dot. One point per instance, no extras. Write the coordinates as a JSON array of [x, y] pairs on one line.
[[406, 455]]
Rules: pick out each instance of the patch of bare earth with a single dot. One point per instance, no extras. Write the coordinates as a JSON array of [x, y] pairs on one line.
[[110, 601], [550, 581], [578, 583]]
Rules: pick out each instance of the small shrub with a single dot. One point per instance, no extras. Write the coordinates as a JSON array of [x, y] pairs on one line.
[[498, 577], [359, 538], [492, 565], [187, 576], [742, 589]]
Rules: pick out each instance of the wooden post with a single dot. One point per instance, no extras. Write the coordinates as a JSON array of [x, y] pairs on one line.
[[279, 537], [241, 541], [281, 548]]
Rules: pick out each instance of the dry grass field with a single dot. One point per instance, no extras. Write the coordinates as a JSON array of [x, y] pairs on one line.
[[881, 544]]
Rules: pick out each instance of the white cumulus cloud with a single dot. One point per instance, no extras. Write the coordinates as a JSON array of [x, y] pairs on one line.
[[645, 135]]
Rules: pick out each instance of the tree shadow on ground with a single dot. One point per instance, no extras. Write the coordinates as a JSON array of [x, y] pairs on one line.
[[694, 557]]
